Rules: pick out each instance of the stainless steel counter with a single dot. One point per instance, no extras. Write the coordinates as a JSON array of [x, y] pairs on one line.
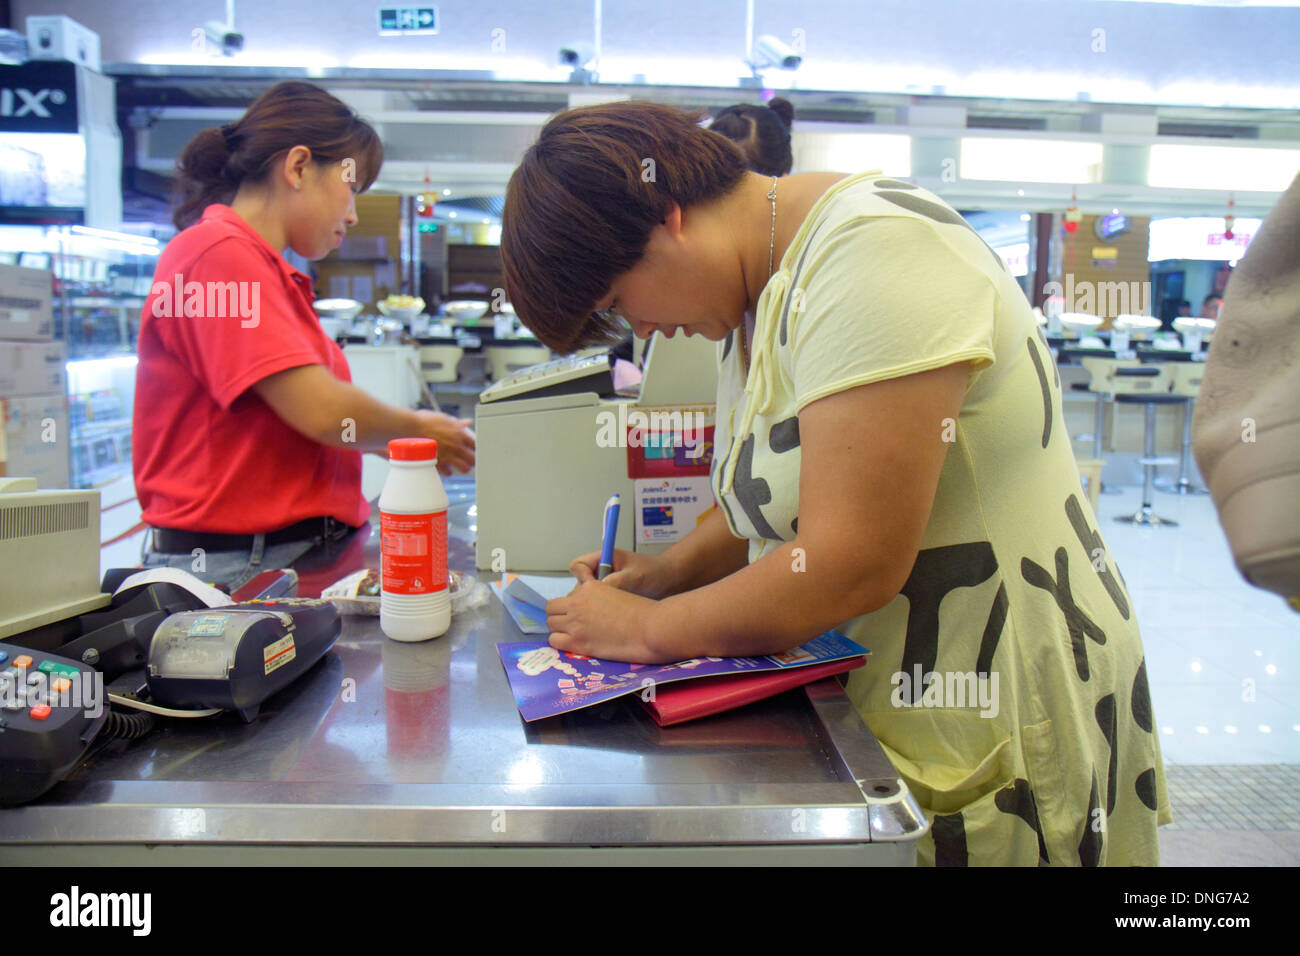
[[389, 752]]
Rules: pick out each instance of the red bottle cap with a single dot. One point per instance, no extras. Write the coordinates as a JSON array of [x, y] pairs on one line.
[[413, 449]]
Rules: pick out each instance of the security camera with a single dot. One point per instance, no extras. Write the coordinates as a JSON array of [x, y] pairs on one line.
[[223, 37], [577, 55], [580, 56], [769, 51]]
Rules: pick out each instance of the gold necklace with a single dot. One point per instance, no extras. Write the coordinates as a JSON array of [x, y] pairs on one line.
[[771, 250]]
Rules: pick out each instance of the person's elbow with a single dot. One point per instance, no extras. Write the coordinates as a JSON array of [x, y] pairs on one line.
[[859, 577]]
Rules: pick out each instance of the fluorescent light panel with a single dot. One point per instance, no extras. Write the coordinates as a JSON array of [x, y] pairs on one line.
[[1244, 168], [853, 152], [1030, 160]]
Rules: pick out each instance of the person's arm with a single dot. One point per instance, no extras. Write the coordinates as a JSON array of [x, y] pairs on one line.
[[871, 458], [708, 553], [328, 410]]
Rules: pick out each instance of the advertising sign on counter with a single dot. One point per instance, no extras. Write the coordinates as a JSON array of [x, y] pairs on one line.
[[668, 509]]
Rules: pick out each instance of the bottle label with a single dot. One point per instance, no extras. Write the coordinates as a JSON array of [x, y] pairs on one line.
[[414, 549]]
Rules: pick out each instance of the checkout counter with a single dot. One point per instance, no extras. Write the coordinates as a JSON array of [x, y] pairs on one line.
[[389, 753]]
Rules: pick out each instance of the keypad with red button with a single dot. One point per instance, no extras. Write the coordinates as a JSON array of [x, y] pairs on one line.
[[51, 708]]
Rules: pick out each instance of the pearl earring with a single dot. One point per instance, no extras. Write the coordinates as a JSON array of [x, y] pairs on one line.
[[297, 185]]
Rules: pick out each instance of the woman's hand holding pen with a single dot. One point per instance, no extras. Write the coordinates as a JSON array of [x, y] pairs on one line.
[[644, 574], [455, 440]]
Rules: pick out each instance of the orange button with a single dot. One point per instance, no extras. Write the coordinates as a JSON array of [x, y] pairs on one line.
[[23, 660], [61, 684], [40, 711]]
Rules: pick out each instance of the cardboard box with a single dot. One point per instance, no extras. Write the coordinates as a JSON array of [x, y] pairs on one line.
[[35, 439], [62, 38], [33, 368], [26, 304]]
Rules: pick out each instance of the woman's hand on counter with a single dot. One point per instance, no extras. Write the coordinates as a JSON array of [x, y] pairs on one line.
[[455, 440], [644, 574], [598, 620], [328, 410]]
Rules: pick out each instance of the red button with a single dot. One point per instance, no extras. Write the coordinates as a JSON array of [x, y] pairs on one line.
[[22, 660], [40, 711]]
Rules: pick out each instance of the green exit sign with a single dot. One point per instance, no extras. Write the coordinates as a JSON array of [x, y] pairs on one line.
[[428, 227], [407, 21]]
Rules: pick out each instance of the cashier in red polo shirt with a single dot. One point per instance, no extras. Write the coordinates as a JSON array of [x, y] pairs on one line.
[[248, 433]]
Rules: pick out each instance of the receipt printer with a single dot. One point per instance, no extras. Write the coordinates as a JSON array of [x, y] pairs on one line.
[[234, 657], [546, 465]]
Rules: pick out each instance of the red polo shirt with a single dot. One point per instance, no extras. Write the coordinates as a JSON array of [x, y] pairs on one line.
[[226, 310]]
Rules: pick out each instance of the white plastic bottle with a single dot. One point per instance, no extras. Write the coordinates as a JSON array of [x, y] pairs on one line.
[[414, 604]]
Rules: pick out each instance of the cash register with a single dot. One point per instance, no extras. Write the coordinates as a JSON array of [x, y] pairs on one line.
[[554, 442]]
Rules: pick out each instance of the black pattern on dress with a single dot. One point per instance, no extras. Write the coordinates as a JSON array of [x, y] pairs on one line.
[[1145, 787], [784, 435], [936, 572], [931, 210], [1018, 800], [1046, 389], [1078, 623], [1107, 720], [1090, 846], [1141, 699], [752, 492], [992, 631], [1092, 543], [949, 834]]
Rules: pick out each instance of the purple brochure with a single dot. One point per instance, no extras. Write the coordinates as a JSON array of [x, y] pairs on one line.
[[547, 682]]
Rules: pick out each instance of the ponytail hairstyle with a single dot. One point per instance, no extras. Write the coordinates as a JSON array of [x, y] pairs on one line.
[[762, 133], [219, 160]]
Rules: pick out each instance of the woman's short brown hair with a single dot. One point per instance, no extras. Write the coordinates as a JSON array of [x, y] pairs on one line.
[[581, 206]]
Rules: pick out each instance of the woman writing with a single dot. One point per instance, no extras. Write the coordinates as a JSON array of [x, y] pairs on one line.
[[892, 462], [248, 433]]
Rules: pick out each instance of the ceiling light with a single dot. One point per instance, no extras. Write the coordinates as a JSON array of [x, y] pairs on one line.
[[1245, 168], [1030, 160]]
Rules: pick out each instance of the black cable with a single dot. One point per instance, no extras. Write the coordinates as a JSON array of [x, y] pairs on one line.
[[128, 726]]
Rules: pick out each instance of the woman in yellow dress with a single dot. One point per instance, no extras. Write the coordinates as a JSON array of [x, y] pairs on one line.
[[891, 462]]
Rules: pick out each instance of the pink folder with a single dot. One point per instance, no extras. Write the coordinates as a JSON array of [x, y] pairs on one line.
[[690, 699]]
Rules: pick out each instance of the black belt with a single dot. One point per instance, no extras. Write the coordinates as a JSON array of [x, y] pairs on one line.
[[172, 541]]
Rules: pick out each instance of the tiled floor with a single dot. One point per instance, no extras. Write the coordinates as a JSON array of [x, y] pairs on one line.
[[1223, 661]]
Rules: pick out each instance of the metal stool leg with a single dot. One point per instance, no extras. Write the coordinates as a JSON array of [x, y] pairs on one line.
[[1100, 430], [1184, 484], [1144, 515], [1100, 425]]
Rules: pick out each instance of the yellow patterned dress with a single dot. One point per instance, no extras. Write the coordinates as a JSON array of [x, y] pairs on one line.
[[1007, 681]]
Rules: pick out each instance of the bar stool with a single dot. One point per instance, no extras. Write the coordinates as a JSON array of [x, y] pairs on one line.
[[1147, 385], [503, 360], [1101, 371], [1187, 383], [438, 363], [1090, 475]]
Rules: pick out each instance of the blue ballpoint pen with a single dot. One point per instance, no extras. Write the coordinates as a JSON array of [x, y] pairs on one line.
[[607, 542]]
